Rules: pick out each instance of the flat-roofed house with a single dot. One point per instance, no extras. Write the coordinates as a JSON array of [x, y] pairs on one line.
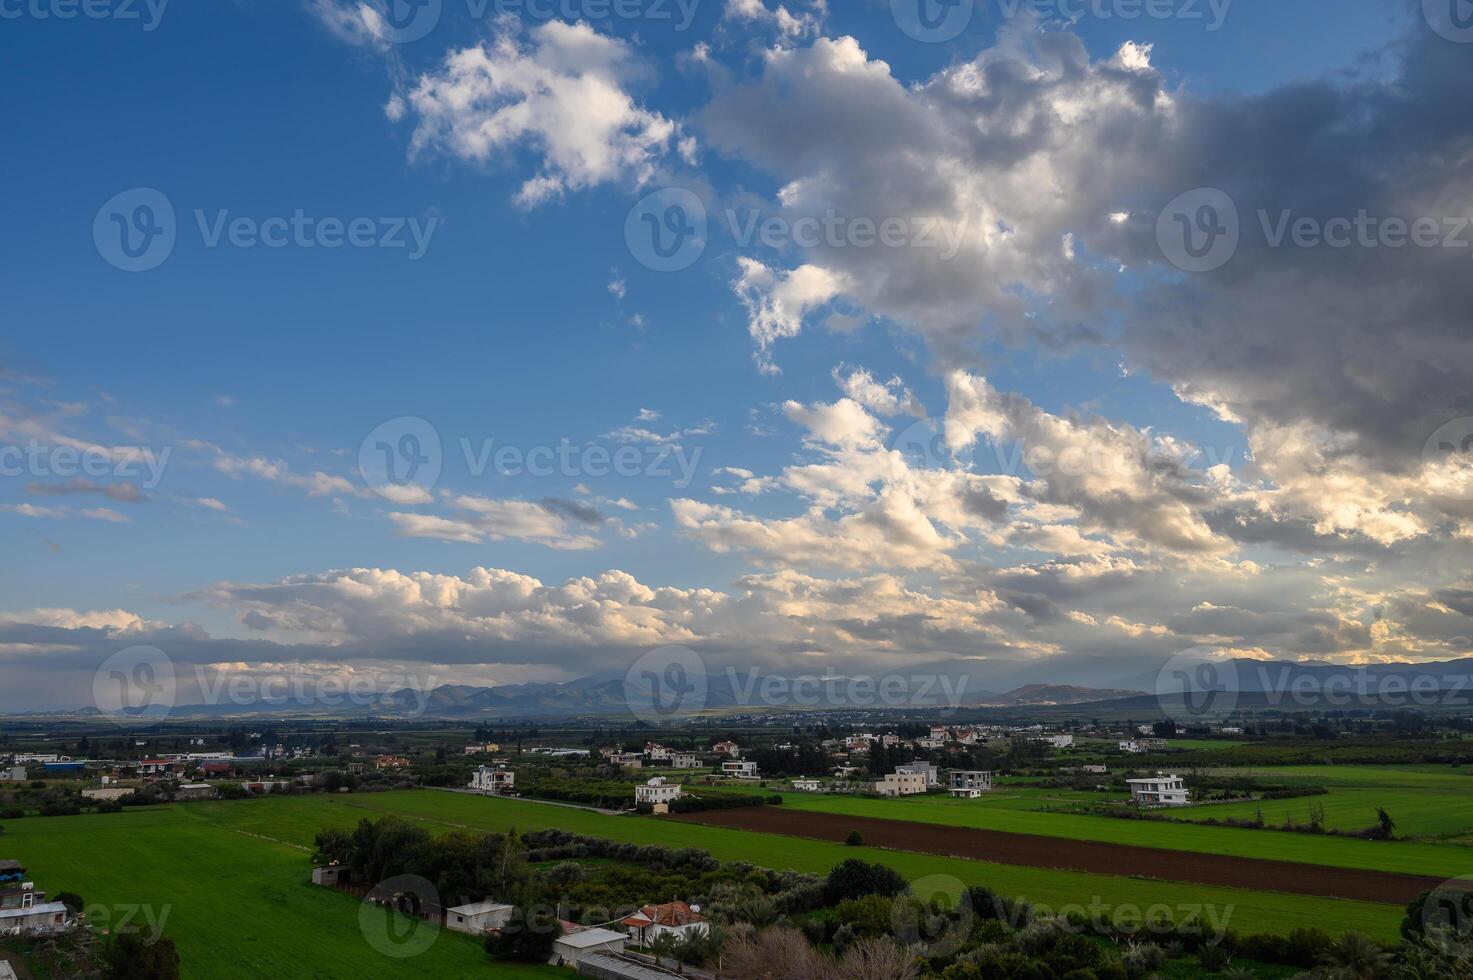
[[1159, 790], [968, 784], [902, 784], [657, 791], [493, 780], [42, 919]]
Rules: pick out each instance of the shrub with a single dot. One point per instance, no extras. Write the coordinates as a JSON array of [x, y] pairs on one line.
[[855, 838], [855, 879]]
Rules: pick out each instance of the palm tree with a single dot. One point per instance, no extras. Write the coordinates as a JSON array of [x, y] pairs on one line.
[[1354, 956]]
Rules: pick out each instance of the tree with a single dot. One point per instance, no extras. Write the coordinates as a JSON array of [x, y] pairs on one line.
[[1355, 956], [527, 936], [131, 957], [855, 879], [855, 838], [1385, 824], [71, 900]]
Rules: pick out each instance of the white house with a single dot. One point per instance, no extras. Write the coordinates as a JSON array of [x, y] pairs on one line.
[[727, 748], [195, 791], [1062, 741], [807, 785], [672, 919], [478, 918], [15, 774], [1159, 790], [737, 769], [932, 774], [493, 781], [569, 950], [902, 784], [36, 920], [627, 760], [685, 760], [657, 752], [657, 791], [1131, 746], [968, 784]]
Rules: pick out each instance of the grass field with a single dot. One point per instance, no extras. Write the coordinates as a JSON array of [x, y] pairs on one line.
[[1418, 801], [231, 877], [1433, 803], [236, 905]]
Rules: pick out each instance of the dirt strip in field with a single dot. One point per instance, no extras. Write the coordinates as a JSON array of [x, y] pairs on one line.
[[1002, 847]]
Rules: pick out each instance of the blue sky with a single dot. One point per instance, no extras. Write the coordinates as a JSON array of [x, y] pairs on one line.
[[529, 322]]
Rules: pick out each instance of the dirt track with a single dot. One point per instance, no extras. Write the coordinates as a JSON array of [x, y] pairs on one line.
[[1072, 855]]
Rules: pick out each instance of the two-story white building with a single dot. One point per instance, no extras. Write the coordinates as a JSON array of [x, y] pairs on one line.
[[657, 791], [1159, 790], [493, 780], [738, 769], [685, 760]]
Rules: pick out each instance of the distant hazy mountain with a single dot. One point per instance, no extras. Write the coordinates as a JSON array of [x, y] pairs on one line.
[[1128, 684]]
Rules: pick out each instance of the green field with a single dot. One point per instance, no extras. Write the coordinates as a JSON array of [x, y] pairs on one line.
[[1433, 803], [232, 877], [236, 905], [1416, 800]]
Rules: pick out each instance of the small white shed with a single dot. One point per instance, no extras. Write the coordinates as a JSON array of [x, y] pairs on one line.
[[569, 950], [477, 918]]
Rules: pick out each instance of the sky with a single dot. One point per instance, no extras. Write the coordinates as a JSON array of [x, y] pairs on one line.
[[496, 342]]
